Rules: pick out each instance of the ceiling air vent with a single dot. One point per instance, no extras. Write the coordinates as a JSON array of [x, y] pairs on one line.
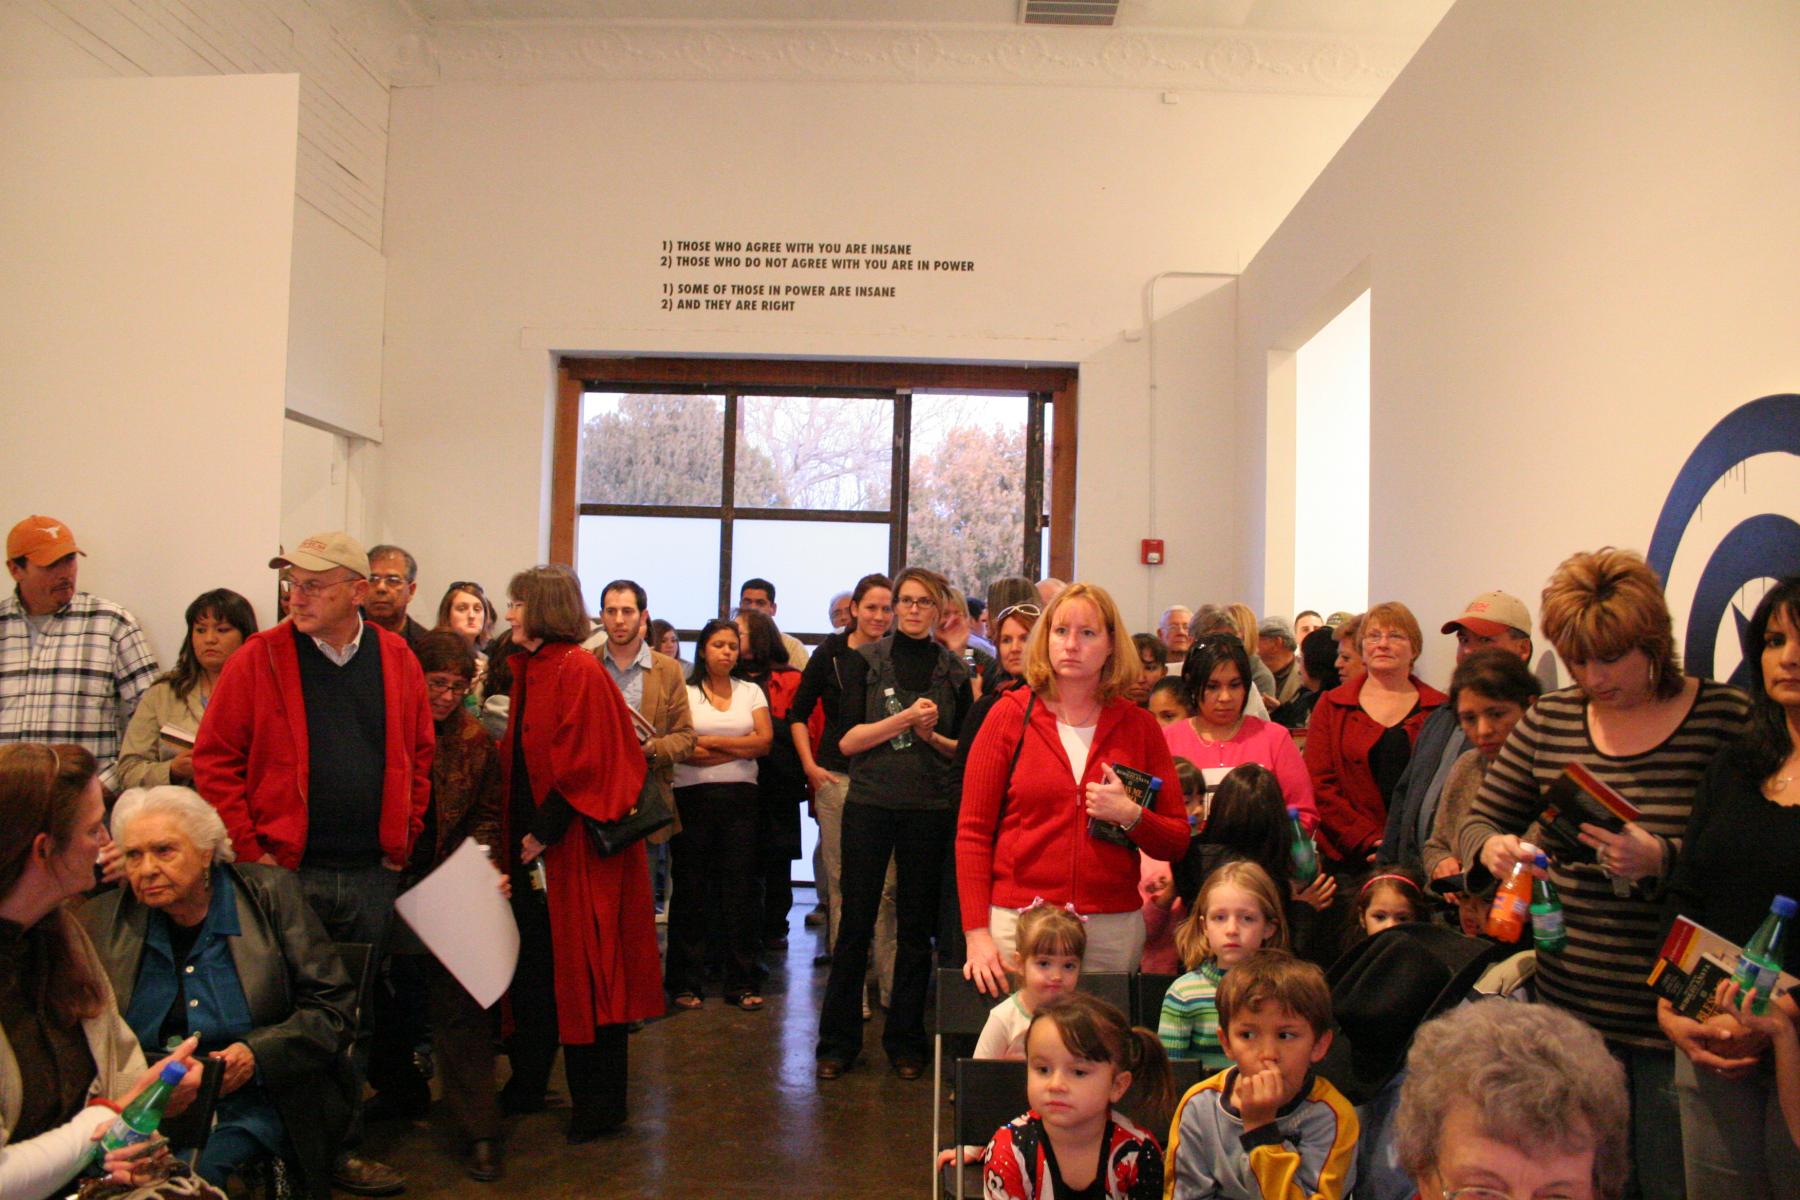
[[1068, 12]]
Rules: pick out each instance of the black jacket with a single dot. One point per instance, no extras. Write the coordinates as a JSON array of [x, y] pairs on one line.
[[301, 999]]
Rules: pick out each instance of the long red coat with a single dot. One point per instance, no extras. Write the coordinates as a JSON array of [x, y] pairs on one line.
[[578, 739]]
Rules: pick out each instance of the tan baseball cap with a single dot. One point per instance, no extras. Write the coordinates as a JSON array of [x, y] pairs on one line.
[[43, 540], [323, 551], [1491, 614]]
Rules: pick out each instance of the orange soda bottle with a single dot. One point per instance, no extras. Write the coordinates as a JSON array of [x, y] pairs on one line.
[[1512, 902]]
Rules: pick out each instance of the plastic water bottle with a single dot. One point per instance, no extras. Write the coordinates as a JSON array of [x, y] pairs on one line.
[[1301, 849], [141, 1117], [891, 702], [1547, 930], [1760, 964]]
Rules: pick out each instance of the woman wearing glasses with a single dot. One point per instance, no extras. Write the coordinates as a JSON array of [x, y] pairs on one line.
[[1040, 776], [903, 699]]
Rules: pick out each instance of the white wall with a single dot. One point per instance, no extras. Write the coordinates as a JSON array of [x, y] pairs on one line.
[[144, 275], [1579, 224], [525, 219]]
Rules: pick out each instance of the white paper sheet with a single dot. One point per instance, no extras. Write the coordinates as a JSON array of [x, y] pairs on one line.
[[460, 915]]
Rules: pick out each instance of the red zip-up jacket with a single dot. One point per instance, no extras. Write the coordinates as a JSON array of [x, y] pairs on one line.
[[1040, 847], [251, 755], [1352, 814]]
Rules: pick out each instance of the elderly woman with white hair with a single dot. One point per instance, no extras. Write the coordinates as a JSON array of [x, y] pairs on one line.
[[1509, 1100], [229, 952]]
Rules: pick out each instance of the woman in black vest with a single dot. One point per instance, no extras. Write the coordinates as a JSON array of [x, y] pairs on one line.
[[902, 698]]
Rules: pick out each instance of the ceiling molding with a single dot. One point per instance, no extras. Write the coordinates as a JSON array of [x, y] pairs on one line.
[[1235, 60]]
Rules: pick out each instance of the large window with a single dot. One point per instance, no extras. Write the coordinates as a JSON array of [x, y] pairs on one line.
[[691, 487]]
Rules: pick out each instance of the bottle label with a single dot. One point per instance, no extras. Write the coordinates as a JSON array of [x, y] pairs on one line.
[[1547, 924]]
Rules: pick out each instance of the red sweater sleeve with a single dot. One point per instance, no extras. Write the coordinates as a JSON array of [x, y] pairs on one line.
[[424, 750], [222, 753], [984, 794], [1344, 829]]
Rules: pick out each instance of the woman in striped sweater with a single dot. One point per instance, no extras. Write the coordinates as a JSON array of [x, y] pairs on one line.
[[1648, 731]]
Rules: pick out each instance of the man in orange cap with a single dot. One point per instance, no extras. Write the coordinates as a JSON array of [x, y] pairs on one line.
[[72, 666]]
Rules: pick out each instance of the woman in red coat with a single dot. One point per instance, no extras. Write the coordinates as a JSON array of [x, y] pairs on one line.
[[1024, 833], [588, 963]]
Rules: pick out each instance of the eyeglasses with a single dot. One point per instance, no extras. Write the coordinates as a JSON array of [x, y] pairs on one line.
[[1381, 637], [915, 602], [392, 581], [312, 589], [1482, 1193], [460, 688], [1029, 611]]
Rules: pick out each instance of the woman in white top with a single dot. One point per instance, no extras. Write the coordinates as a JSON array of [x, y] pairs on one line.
[[712, 861]]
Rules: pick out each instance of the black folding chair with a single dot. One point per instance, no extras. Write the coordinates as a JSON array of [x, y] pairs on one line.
[[961, 1010], [1147, 1009], [1114, 987], [989, 1093]]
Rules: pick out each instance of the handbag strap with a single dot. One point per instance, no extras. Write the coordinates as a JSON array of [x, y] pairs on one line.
[[1006, 788]]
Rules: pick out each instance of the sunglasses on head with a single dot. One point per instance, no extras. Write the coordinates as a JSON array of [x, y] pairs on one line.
[[1030, 611]]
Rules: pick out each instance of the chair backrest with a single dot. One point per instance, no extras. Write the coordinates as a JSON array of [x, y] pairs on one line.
[[1150, 992], [355, 956], [1114, 987], [960, 1008], [989, 1093], [1186, 1072]]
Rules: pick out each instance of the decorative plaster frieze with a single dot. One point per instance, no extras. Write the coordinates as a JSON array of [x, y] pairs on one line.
[[1235, 61]]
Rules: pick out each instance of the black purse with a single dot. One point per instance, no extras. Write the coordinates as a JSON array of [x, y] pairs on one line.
[[650, 814]]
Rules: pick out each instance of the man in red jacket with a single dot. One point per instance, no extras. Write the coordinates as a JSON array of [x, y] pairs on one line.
[[316, 749]]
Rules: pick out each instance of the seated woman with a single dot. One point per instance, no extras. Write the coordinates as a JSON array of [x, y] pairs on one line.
[[59, 1027], [217, 623], [1512, 1100], [232, 954]]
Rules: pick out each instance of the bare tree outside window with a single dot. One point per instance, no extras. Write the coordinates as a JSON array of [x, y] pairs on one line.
[[966, 518]]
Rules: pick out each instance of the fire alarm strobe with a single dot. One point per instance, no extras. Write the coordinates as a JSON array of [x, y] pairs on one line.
[[1151, 552]]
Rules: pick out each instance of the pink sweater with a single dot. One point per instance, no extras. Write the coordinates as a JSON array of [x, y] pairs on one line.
[[1256, 741]]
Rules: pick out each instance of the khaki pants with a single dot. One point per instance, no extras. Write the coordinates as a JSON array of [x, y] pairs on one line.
[[828, 803], [1115, 941]]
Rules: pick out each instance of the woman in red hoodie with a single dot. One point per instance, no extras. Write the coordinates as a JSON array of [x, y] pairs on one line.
[[1041, 771]]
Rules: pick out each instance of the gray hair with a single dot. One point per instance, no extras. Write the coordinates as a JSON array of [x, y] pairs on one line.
[[1211, 618], [387, 551], [1171, 611], [198, 819], [1534, 1076]]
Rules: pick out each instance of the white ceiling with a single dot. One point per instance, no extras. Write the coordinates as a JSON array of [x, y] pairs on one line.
[[1392, 18]]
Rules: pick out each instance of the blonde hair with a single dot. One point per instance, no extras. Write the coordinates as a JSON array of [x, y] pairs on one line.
[[1190, 936], [1049, 929], [1604, 603], [1393, 615], [1245, 620], [1122, 668]]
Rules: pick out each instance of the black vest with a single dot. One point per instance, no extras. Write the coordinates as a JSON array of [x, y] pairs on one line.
[[917, 777]]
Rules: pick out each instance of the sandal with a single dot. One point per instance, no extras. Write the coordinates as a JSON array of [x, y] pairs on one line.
[[748, 1001], [687, 1001]]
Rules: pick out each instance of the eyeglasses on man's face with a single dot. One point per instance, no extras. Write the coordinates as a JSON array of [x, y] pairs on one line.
[[390, 581], [312, 589]]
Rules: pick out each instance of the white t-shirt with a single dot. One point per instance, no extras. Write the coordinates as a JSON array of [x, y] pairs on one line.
[[1076, 740], [737, 721], [1004, 1034]]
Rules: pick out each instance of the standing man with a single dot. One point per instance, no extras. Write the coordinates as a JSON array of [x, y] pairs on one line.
[[840, 611], [1491, 619], [1173, 630], [316, 749], [393, 578], [72, 666], [652, 684], [760, 595], [1275, 645]]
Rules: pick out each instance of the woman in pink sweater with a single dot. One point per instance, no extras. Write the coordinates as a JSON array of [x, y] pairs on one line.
[[1040, 770], [1219, 736]]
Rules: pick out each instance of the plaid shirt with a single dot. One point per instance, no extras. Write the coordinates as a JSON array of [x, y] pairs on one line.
[[83, 682]]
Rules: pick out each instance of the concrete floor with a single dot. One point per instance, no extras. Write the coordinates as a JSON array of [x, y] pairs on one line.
[[723, 1103]]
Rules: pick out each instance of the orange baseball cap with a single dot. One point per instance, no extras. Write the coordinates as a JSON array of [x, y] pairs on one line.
[[43, 540]]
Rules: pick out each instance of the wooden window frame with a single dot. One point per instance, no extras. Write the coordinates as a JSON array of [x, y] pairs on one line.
[[1055, 386]]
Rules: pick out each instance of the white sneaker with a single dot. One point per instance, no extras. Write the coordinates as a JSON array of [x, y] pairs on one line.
[[868, 1013], [662, 918]]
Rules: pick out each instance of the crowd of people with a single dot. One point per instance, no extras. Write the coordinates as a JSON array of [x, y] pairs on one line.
[[1009, 782]]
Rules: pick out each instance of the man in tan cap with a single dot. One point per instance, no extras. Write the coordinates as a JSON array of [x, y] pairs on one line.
[[72, 666], [316, 749], [1490, 619]]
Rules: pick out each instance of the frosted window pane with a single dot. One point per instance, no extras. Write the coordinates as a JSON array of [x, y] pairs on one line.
[[808, 562], [674, 559]]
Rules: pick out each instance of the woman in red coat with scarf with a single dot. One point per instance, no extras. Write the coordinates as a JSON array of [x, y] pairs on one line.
[[588, 963]]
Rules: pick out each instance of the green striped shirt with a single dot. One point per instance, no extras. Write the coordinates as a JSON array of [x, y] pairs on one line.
[[1189, 1026]]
